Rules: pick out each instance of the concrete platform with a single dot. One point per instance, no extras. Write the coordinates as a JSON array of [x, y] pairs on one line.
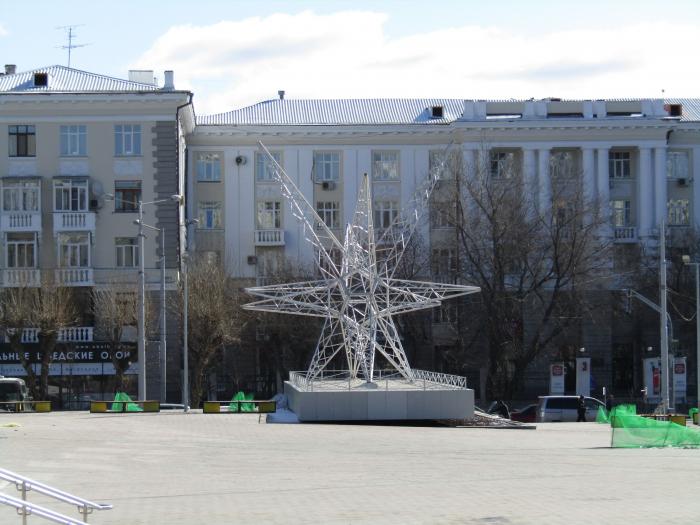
[[189, 469], [386, 400]]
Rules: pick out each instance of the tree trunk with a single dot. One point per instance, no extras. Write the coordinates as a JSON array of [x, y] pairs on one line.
[[47, 344], [16, 346]]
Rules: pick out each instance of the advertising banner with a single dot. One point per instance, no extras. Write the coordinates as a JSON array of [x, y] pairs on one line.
[[583, 376], [679, 380], [652, 378], [556, 379]]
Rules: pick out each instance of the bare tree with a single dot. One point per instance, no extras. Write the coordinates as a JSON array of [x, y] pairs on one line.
[[215, 318], [533, 260], [52, 309], [115, 306], [15, 316]]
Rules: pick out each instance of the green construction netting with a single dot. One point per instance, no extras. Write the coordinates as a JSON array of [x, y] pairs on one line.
[[619, 410], [631, 431], [691, 412], [121, 398], [237, 406]]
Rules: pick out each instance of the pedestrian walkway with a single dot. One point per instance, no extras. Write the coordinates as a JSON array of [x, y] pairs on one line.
[[192, 468]]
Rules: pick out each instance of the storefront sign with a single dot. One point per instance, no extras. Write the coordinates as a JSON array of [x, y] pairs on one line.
[[679, 380], [583, 376], [652, 378], [556, 378], [69, 352]]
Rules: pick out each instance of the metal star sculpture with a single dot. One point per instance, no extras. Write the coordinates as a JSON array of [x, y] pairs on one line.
[[357, 294]]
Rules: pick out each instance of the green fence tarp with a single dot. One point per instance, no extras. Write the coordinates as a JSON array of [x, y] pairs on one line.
[[121, 398], [631, 431], [244, 407], [623, 410], [691, 412], [602, 416]]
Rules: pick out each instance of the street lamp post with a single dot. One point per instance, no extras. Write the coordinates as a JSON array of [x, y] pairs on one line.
[[185, 350], [686, 261]]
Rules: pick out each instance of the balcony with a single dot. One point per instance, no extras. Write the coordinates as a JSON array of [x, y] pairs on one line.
[[20, 221], [75, 277], [71, 221], [625, 234], [20, 277], [273, 237]]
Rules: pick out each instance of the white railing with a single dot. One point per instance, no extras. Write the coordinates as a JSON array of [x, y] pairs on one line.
[[341, 380], [73, 220], [273, 237], [75, 277], [625, 234], [16, 277], [20, 221], [71, 334], [25, 509]]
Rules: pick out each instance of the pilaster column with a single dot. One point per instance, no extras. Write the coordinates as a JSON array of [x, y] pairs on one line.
[[603, 187], [544, 181], [530, 178], [588, 181], [695, 175], [660, 186], [645, 193]]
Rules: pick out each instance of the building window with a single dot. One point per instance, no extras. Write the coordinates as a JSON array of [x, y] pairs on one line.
[[22, 141], [620, 164], [442, 215], [127, 139], [21, 196], [677, 165], [127, 252], [269, 215], [73, 250], [446, 313], [385, 165], [330, 213], [438, 165], [384, 213], [208, 167], [264, 168], [326, 166], [678, 212], [20, 250], [73, 141], [70, 195], [562, 164], [501, 164], [210, 215], [621, 213], [127, 194], [444, 261]]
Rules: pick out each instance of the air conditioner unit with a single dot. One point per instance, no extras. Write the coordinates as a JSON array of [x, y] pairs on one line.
[[252, 259], [328, 185], [683, 182]]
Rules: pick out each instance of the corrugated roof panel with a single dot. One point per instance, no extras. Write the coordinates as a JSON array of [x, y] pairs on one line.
[[65, 79]]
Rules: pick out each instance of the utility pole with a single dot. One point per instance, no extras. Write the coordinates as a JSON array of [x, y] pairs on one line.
[[665, 375]]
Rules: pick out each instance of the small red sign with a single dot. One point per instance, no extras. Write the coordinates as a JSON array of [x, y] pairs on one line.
[[557, 370]]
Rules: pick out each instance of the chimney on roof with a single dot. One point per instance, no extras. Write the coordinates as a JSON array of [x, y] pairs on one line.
[[281, 94], [169, 80], [142, 76], [10, 69]]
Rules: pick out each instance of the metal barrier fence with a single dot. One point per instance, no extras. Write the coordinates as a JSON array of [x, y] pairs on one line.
[[341, 379]]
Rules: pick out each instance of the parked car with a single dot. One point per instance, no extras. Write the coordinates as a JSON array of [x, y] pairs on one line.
[[527, 414], [565, 408], [14, 389]]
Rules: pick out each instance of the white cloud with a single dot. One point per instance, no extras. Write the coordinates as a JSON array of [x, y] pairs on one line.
[[3, 31], [231, 64]]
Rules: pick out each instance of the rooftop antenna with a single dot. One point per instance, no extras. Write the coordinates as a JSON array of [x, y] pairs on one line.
[[70, 33]]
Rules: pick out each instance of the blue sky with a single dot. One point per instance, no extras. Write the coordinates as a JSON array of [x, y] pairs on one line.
[[235, 53]]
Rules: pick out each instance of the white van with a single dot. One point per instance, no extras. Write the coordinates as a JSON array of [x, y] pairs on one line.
[[13, 389], [565, 408]]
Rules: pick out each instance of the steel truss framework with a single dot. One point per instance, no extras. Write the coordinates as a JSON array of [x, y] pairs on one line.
[[358, 295]]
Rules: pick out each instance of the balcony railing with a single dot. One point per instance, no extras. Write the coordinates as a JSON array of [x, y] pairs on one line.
[[625, 234], [72, 334], [19, 277], [64, 221], [20, 221], [273, 237], [75, 277]]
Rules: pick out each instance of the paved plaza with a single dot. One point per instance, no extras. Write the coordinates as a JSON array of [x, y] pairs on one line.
[[175, 468]]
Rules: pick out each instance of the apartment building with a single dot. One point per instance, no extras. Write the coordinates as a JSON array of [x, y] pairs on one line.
[[78, 152], [640, 157]]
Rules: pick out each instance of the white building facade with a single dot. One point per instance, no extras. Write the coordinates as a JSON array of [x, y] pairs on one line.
[[639, 157]]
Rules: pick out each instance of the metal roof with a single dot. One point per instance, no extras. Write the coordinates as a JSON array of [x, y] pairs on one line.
[[63, 79], [339, 112], [291, 112]]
